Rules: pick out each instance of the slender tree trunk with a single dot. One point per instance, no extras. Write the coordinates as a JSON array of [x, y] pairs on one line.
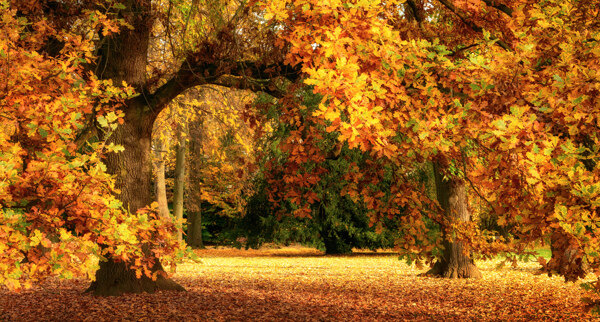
[[452, 196], [193, 200], [161, 186], [179, 182]]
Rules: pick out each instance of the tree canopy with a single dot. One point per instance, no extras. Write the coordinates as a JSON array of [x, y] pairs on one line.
[[500, 97]]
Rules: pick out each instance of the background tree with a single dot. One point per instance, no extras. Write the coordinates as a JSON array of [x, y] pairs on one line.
[[219, 157], [478, 87], [306, 172], [372, 116]]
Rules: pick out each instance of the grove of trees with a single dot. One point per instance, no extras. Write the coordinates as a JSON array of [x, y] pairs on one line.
[[344, 124]]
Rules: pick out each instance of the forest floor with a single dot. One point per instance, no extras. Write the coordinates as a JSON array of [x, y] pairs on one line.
[[297, 283]]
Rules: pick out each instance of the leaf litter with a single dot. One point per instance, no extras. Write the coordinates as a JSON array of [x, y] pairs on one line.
[[298, 283]]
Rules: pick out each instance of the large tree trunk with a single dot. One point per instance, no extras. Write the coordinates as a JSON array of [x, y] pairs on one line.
[[116, 278], [179, 182], [123, 57], [133, 171], [452, 196], [567, 258]]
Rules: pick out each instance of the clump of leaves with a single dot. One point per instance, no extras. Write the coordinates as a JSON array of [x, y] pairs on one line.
[[58, 212]]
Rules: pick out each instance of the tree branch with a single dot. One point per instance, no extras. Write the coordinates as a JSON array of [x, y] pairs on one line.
[[459, 50], [461, 15], [241, 75], [466, 177], [502, 7], [268, 86], [415, 11]]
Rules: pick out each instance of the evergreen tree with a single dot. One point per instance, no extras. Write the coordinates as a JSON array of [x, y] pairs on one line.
[[331, 219]]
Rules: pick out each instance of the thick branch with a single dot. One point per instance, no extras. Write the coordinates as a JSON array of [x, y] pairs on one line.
[[268, 86], [241, 75], [182, 80], [502, 7], [414, 11], [457, 51]]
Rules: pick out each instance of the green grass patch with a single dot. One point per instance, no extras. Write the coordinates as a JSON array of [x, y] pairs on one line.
[[544, 252]]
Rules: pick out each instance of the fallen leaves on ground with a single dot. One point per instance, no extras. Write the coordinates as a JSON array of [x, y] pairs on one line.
[[296, 283]]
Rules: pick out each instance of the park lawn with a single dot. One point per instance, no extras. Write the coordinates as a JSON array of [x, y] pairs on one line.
[[297, 283]]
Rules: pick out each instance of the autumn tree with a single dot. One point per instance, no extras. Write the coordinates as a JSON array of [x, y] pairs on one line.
[[370, 118], [498, 95], [219, 158], [210, 55], [203, 46], [501, 96], [58, 204]]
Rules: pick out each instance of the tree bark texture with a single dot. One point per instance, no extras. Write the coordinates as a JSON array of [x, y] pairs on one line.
[[161, 185], [452, 196], [567, 258], [123, 57], [194, 229], [193, 201], [116, 278], [179, 182]]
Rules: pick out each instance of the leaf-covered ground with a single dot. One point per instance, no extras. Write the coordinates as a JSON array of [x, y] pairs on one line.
[[301, 284]]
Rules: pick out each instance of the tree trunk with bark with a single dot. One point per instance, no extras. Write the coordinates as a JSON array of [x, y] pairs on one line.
[[452, 196], [116, 278], [133, 171], [123, 57], [194, 229], [161, 185], [194, 200], [567, 258], [179, 182]]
